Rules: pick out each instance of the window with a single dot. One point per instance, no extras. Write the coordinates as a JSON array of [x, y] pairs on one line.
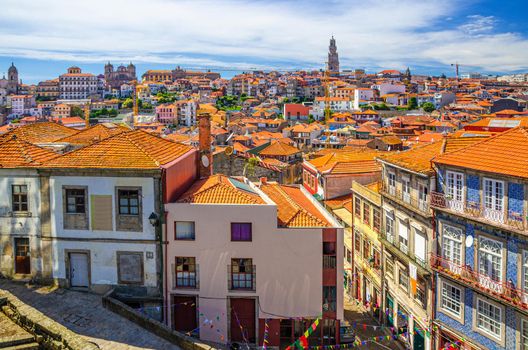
[[366, 249], [494, 199], [489, 318], [184, 230], [490, 258], [389, 267], [392, 179], [406, 189], [525, 276], [75, 201], [524, 335], [329, 298], [452, 244], [421, 294], [366, 213], [348, 256], [357, 207], [376, 258], [357, 241], [186, 272], [242, 274], [376, 219], [20, 198], [403, 233], [128, 202], [241, 231], [454, 186], [419, 246], [389, 225], [451, 299], [403, 278]]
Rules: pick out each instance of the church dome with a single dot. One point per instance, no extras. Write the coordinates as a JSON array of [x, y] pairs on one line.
[[12, 69]]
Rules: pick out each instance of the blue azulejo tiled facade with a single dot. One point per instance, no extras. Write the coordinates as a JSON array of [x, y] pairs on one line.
[[481, 261]]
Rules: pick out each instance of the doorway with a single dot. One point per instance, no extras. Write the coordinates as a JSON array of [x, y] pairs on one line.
[[184, 313], [22, 256], [243, 320], [79, 270]]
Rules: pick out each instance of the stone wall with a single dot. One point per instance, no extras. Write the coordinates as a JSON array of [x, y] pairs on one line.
[[158, 328], [49, 334]]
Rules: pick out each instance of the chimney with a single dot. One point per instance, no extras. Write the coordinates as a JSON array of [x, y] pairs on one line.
[[263, 180], [206, 159]]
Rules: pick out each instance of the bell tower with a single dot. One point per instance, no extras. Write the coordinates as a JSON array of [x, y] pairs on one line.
[[333, 58], [12, 79]]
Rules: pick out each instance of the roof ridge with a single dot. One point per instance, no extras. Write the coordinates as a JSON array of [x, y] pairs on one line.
[[136, 144], [485, 139]]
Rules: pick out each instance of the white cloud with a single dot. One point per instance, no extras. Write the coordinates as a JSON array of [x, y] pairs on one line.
[[234, 33]]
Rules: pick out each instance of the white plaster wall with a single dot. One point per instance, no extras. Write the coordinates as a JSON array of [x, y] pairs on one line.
[[19, 226], [101, 186], [103, 260], [102, 253], [288, 262]]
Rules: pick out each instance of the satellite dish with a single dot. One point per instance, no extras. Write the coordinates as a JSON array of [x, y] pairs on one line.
[[469, 241], [205, 161], [228, 151]]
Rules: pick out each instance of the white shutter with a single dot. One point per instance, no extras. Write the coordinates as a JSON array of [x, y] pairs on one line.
[[419, 245], [403, 230]]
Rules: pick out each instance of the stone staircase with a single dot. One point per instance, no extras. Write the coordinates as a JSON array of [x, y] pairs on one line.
[[14, 337]]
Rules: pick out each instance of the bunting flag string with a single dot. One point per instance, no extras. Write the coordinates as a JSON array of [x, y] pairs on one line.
[[266, 333]]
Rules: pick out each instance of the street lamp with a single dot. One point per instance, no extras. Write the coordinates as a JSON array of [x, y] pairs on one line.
[[153, 218]]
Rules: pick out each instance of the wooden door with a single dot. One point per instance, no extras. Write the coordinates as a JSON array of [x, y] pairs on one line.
[[22, 256], [243, 320], [184, 313]]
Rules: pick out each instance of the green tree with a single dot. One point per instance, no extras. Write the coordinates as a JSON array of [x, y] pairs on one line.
[[412, 103], [310, 118], [77, 111], [128, 103], [112, 113], [104, 111], [428, 107]]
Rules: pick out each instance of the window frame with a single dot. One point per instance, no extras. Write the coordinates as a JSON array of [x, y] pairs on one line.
[[494, 183], [366, 214], [176, 230], [357, 207], [129, 206], [240, 234], [185, 263], [480, 250], [142, 261], [450, 190], [238, 273], [485, 332], [449, 312], [19, 202], [454, 242], [67, 204]]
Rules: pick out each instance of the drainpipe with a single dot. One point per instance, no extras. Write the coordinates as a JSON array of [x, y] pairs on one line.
[[159, 229], [432, 341]]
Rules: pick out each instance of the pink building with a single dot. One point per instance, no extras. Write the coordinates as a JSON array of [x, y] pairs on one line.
[[240, 253], [167, 113]]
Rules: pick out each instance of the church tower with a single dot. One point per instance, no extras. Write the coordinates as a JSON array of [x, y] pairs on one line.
[[333, 58], [12, 79]]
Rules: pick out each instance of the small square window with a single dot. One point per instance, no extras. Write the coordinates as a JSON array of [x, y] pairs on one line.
[[241, 232], [75, 201], [20, 198], [184, 230]]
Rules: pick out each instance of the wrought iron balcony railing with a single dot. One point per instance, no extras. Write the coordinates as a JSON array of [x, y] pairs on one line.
[[475, 210], [505, 291]]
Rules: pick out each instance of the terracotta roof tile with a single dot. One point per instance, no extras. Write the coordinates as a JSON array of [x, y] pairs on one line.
[[19, 153], [94, 134], [39, 132], [277, 148], [220, 189], [129, 150], [505, 153], [354, 161], [293, 208]]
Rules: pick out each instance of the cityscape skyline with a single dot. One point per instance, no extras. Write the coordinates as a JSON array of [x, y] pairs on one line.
[[427, 36]]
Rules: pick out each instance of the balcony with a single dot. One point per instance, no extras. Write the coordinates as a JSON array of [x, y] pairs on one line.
[[475, 211], [499, 290], [185, 279], [390, 237], [404, 248], [242, 280], [407, 200]]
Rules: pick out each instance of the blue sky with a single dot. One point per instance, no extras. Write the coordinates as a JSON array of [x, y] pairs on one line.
[[43, 38]]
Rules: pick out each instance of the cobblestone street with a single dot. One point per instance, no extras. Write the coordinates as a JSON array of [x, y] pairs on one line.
[[357, 313], [84, 314]]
